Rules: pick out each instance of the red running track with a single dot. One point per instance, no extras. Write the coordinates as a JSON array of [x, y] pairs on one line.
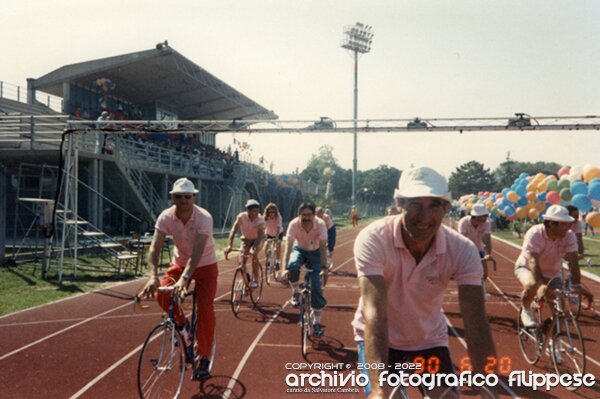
[[87, 346]]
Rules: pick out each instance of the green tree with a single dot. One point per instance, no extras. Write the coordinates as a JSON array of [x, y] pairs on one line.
[[469, 178], [509, 170], [377, 185]]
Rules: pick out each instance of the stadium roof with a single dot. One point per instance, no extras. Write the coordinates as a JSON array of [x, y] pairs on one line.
[[159, 75]]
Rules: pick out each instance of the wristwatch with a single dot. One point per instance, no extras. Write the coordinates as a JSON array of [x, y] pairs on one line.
[[186, 276]]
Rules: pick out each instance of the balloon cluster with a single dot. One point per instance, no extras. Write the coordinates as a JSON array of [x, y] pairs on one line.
[[530, 195], [104, 84]]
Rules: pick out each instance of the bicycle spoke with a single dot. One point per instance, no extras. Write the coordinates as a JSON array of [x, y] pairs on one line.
[[237, 291], [161, 365], [568, 350], [530, 339]]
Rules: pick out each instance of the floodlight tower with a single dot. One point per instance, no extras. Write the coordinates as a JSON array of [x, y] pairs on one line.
[[358, 39]]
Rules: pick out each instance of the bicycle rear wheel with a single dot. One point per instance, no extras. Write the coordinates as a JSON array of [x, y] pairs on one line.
[[238, 288], [531, 339], [568, 350], [255, 293], [305, 324], [161, 366]]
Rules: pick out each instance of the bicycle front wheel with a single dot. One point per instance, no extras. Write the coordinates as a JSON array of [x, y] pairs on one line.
[[238, 287], [255, 293], [305, 324], [161, 367], [568, 351], [531, 339]]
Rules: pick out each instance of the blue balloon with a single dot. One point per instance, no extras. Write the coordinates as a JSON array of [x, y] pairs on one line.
[[505, 191], [514, 187], [522, 191], [581, 202], [522, 201], [579, 187], [594, 190], [509, 211], [541, 197], [523, 175], [595, 180]]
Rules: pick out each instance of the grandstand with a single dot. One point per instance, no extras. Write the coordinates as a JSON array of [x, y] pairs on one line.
[[124, 176]]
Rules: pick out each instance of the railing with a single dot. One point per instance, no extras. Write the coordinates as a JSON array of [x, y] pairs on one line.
[[19, 94]]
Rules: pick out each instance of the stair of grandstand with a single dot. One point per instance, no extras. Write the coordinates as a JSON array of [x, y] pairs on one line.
[[107, 254]]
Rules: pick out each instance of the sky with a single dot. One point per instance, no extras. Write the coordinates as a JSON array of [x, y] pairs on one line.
[[429, 59]]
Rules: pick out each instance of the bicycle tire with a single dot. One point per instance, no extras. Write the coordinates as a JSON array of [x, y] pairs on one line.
[[237, 290], [305, 324], [161, 365], [255, 293], [570, 346], [529, 338]]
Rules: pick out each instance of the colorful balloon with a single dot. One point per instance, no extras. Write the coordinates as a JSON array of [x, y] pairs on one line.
[[593, 219], [563, 171], [579, 187], [540, 206], [512, 196], [521, 212], [581, 202], [565, 194], [590, 173], [533, 214], [594, 191], [552, 185], [553, 197]]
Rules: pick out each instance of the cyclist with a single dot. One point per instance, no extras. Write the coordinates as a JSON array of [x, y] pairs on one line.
[[404, 263], [274, 229], [252, 226], [331, 234], [194, 258], [477, 228], [544, 247], [306, 243], [578, 231]]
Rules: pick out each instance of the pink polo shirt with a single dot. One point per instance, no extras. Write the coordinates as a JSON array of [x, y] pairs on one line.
[[248, 227], [576, 227], [327, 220], [308, 241], [415, 293], [274, 225], [550, 252], [184, 235], [474, 234]]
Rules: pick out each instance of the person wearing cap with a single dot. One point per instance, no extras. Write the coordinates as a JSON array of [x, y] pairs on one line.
[[252, 227], [540, 260], [477, 228], [194, 258], [306, 244], [331, 235], [404, 263]]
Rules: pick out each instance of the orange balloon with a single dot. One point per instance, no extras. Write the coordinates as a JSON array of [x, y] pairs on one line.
[[533, 213], [593, 219], [512, 196], [540, 206], [531, 186], [591, 173], [521, 212], [541, 187], [531, 196]]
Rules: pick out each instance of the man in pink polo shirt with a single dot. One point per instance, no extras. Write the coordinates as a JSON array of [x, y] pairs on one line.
[[252, 226], [194, 258], [306, 244], [477, 228], [544, 247], [404, 263]]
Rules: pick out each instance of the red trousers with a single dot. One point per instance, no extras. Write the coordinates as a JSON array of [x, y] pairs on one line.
[[205, 279]]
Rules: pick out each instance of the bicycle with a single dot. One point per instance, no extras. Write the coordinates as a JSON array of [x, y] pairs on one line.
[[165, 355], [306, 321], [487, 259], [240, 287], [271, 261], [561, 330]]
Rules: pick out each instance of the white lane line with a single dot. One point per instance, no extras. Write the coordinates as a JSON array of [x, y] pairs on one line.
[[464, 344], [62, 331], [244, 360], [114, 366]]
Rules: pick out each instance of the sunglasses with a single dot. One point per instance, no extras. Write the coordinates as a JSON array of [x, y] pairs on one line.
[[186, 196]]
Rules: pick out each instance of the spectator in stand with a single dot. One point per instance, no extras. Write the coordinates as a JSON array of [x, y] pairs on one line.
[[77, 113]]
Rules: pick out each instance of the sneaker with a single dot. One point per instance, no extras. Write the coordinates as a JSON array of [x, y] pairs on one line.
[[253, 284], [202, 371], [559, 359], [295, 301], [329, 263], [528, 318], [317, 330]]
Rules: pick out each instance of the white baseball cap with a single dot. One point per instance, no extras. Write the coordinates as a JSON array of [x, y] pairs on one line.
[[251, 203], [558, 213], [479, 210], [422, 182], [183, 185]]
